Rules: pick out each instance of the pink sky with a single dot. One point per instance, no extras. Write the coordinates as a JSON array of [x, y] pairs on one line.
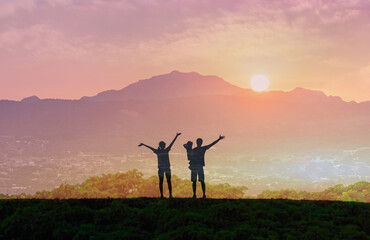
[[70, 48]]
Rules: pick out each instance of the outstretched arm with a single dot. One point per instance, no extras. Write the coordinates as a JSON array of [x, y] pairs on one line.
[[173, 141], [210, 145], [142, 144]]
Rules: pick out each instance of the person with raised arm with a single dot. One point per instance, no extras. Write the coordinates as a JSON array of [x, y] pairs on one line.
[[164, 166], [197, 163]]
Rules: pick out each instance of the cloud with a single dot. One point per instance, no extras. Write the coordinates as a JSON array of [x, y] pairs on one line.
[[252, 27], [40, 41], [43, 42], [315, 38], [364, 73], [9, 8]]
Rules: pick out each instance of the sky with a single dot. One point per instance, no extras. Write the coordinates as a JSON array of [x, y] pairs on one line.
[[73, 48]]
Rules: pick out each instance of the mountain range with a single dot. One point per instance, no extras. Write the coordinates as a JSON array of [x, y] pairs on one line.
[[155, 109]]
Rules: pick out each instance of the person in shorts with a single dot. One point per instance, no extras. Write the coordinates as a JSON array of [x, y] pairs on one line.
[[197, 163], [164, 166]]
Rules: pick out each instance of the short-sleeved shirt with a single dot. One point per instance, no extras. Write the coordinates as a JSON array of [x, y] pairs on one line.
[[197, 156], [163, 157]]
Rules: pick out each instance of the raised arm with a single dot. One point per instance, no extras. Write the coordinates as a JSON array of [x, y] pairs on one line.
[[173, 141], [211, 145], [142, 144], [187, 146]]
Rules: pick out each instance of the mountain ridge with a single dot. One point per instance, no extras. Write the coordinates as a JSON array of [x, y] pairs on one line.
[[172, 85], [178, 84]]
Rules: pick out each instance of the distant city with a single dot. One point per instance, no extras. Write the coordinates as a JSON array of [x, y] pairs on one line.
[[26, 167]]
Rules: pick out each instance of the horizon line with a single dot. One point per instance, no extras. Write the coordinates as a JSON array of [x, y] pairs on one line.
[[192, 72]]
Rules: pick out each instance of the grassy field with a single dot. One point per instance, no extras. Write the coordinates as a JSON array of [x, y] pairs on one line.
[[152, 218]]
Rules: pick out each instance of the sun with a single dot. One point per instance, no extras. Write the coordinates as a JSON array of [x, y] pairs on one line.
[[259, 83]]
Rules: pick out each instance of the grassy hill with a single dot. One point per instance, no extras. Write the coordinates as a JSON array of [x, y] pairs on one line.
[[153, 218]]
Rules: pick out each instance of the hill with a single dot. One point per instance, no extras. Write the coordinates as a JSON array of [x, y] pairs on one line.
[[169, 86], [183, 219]]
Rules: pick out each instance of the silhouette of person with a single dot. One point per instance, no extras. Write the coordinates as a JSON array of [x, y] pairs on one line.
[[164, 166], [197, 163], [189, 147]]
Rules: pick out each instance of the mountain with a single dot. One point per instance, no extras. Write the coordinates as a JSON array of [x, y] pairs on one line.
[[177, 85], [31, 99], [173, 85], [154, 109]]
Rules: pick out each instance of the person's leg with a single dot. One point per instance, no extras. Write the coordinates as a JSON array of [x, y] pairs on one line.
[[168, 177], [201, 180], [203, 188], [194, 180], [194, 189], [161, 175], [161, 185]]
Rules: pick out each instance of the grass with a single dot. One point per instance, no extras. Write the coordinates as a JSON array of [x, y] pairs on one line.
[[152, 218]]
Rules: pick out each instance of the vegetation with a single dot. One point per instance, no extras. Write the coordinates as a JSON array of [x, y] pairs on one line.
[[131, 184], [142, 218], [107, 207], [359, 192]]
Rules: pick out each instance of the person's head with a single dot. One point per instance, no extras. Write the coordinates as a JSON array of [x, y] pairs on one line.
[[189, 144], [199, 142], [162, 145]]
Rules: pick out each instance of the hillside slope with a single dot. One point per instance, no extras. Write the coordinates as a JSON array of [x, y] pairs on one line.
[[183, 219]]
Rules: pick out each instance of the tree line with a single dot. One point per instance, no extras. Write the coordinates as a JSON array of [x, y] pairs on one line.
[[132, 184], [359, 192]]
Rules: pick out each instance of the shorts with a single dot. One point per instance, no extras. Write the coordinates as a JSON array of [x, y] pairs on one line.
[[197, 171], [163, 170]]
